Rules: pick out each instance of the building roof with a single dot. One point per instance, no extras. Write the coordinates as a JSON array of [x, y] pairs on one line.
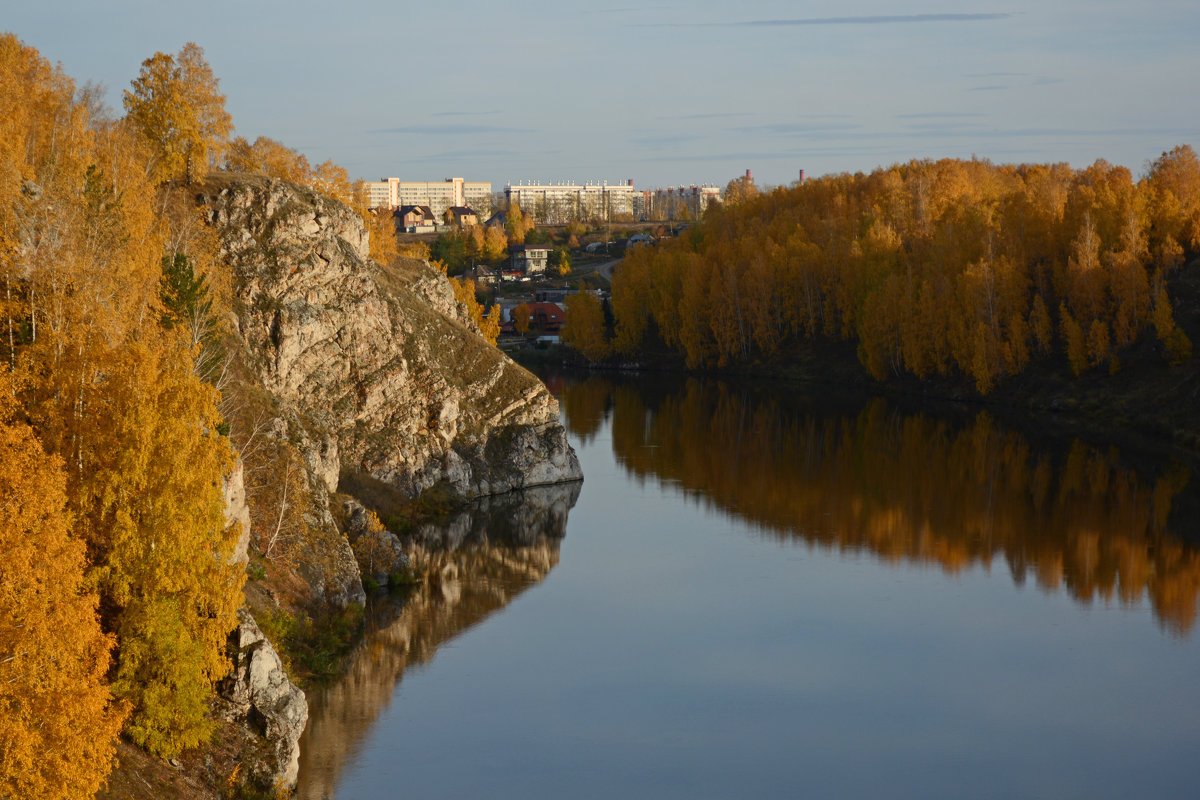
[[425, 211], [550, 312]]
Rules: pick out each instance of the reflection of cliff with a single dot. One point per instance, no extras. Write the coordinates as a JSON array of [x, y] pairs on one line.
[[484, 557], [911, 487]]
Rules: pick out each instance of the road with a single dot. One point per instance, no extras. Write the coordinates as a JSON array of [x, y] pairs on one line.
[[606, 269]]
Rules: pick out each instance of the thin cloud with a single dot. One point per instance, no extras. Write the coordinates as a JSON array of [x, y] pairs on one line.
[[785, 128], [978, 75], [945, 126], [942, 115], [465, 113], [881, 19], [449, 130], [714, 115], [476, 154], [665, 140], [993, 88]]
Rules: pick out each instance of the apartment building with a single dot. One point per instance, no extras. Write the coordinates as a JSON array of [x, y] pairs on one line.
[[437, 195], [561, 202], [675, 202]]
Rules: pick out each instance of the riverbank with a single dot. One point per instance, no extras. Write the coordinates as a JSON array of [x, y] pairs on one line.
[[1145, 402]]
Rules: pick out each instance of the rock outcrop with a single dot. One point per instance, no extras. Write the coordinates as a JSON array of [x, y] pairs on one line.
[[258, 694], [372, 371], [237, 512], [386, 371]]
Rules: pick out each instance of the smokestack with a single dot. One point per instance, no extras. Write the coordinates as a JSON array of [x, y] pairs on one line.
[[748, 175], [802, 176]]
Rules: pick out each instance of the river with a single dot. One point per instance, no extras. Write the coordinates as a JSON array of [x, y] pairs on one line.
[[755, 593]]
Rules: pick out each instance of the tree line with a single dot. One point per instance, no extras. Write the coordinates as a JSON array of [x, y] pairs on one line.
[[946, 267]]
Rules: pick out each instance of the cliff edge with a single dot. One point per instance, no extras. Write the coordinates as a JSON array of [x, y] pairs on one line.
[[385, 371]]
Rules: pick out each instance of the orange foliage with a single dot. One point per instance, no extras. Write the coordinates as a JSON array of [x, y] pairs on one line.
[[929, 267], [58, 722]]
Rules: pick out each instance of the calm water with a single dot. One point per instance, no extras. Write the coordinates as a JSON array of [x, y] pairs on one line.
[[758, 595]]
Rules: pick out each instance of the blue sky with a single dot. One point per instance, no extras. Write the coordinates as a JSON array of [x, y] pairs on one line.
[[664, 93]]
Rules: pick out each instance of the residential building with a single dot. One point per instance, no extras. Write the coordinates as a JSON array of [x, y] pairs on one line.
[[438, 195], [529, 259], [414, 219], [562, 202], [675, 202], [462, 216], [383, 193], [546, 318]]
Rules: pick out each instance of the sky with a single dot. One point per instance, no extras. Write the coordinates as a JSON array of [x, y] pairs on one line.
[[665, 93]]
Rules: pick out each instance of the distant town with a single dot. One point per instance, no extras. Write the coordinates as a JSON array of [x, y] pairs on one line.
[[526, 249], [427, 204]]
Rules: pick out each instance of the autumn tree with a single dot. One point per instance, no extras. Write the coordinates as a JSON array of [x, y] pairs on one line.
[[950, 268], [583, 326], [111, 392], [267, 157], [521, 318], [176, 104], [167, 558], [1174, 179], [739, 190], [58, 720], [517, 223], [495, 245], [560, 261], [488, 321]]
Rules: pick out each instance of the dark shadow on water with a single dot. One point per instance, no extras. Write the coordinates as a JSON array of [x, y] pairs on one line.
[[479, 560]]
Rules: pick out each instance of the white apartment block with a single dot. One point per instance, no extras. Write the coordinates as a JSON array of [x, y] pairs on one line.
[[438, 195], [670, 203], [560, 202], [382, 193]]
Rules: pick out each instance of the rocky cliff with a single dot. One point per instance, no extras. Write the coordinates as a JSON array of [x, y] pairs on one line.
[[387, 373], [360, 369]]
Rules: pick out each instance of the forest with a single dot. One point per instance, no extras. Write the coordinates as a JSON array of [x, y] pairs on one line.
[[955, 268], [118, 582]]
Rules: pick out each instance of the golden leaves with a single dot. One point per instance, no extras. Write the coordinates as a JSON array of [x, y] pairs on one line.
[[929, 267]]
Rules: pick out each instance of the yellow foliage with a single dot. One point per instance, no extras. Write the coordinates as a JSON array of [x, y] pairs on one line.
[[1072, 334], [464, 293], [175, 103], [583, 326], [929, 267], [106, 389], [58, 722], [160, 522]]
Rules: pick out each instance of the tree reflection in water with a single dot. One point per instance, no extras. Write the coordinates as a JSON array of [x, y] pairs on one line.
[[909, 486], [482, 558]]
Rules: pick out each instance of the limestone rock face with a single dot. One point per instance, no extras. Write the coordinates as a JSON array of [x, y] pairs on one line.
[[237, 512], [386, 369], [257, 692]]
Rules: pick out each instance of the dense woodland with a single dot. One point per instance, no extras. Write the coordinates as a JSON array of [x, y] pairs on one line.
[[958, 268], [117, 584]]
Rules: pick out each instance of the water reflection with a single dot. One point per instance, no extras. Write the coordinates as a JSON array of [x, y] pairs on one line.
[[910, 487], [484, 557]]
